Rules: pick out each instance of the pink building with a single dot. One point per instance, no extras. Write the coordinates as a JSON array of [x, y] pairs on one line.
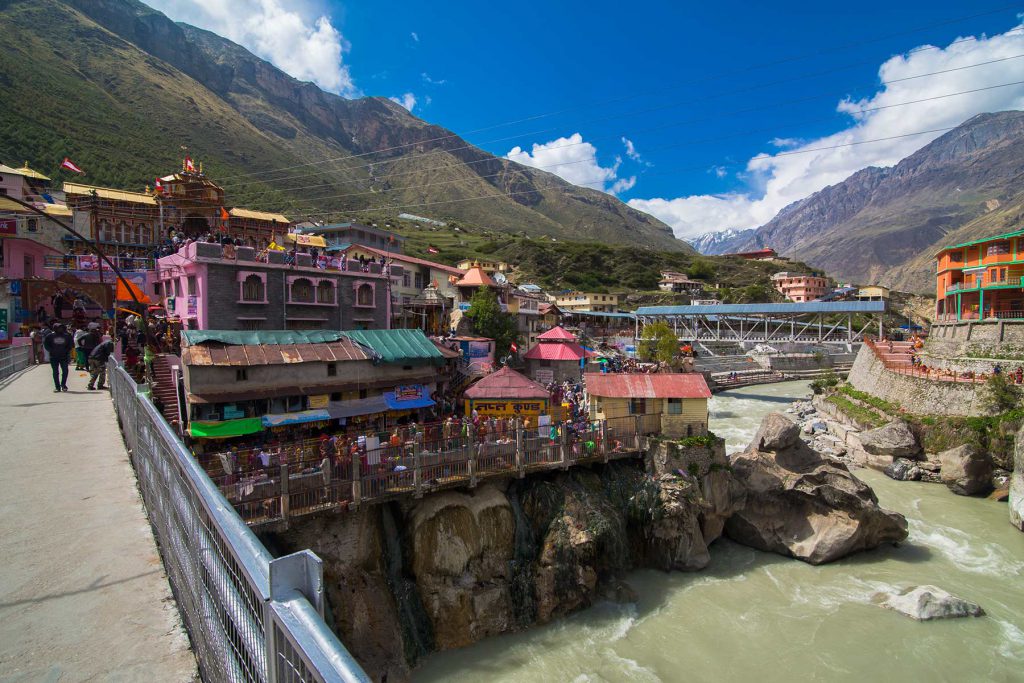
[[800, 287]]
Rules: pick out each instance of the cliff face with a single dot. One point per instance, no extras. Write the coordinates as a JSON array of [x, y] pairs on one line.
[[459, 566]]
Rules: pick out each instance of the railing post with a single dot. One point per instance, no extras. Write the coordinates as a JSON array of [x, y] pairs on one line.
[[417, 473], [357, 485], [564, 457], [520, 465], [637, 424], [604, 439], [471, 443], [285, 498]]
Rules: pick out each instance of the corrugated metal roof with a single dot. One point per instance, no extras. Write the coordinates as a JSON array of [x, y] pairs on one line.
[[412, 259], [476, 277], [628, 385], [258, 215], [598, 314], [506, 383], [558, 333], [275, 354], [108, 193], [557, 351], [398, 346], [768, 309], [272, 337]]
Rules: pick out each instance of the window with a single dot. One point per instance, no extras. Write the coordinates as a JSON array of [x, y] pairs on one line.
[[325, 292], [419, 281], [177, 287], [336, 396], [33, 224], [241, 374], [406, 282], [192, 285], [250, 324], [253, 289], [637, 406], [998, 248], [364, 295], [302, 291], [675, 406], [332, 369]]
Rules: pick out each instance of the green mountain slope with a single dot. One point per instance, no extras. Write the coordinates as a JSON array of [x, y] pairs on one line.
[[119, 88]]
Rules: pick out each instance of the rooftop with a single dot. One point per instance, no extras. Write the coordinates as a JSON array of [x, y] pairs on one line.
[[769, 309], [271, 354], [412, 259], [507, 383], [23, 171], [398, 346], [1005, 235], [476, 277], [258, 215], [557, 334], [111, 194], [624, 385]]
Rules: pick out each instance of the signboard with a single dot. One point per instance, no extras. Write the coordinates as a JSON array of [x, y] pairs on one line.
[[8, 227], [3, 320], [318, 401], [507, 408], [478, 349], [409, 392], [193, 305], [544, 375]]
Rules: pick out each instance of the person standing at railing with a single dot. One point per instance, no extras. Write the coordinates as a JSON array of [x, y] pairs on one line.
[[98, 364]]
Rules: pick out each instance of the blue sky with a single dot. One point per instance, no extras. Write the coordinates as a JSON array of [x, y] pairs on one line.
[[708, 115]]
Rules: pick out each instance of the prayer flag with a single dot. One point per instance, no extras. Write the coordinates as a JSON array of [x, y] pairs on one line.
[[70, 165], [431, 249], [514, 347], [189, 166], [224, 215]]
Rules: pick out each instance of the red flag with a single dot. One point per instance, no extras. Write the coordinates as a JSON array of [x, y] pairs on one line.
[[189, 166], [70, 165], [224, 215], [431, 249], [158, 186], [513, 347]]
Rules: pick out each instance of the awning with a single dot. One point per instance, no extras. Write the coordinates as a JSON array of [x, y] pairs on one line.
[[281, 419], [408, 404], [225, 428], [362, 406], [308, 240]]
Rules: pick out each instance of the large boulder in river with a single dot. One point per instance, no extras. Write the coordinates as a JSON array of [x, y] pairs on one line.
[[966, 470], [1017, 482], [925, 603], [903, 470], [802, 504], [894, 439]]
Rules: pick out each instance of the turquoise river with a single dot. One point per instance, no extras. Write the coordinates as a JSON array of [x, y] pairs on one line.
[[753, 616]]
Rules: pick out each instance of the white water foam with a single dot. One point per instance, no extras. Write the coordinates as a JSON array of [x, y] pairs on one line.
[[962, 550], [1013, 640]]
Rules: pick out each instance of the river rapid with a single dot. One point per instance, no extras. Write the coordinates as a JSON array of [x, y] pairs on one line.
[[759, 616]]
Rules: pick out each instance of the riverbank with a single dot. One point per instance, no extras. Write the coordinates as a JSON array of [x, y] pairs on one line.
[[753, 614]]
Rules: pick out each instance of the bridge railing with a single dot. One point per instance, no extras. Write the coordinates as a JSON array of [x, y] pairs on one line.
[[13, 359], [250, 617]]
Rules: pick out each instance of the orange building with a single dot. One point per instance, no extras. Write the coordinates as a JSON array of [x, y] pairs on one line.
[[799, 287], [981, 279]]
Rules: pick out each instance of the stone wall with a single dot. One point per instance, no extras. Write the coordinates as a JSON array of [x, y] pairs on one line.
[[915, 394], [985, 339]]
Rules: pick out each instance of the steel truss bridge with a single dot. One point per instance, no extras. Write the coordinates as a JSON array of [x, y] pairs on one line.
[[818, 322]]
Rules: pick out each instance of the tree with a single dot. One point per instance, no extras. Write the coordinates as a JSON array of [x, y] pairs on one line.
[[1001, 395], [701, 269], [490, 321], [660, 343]]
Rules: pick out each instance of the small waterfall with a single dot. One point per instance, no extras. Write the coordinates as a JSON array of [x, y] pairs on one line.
[[417, 632], [524, 603]]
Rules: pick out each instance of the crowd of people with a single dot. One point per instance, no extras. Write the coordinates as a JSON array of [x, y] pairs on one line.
[[89, 346]]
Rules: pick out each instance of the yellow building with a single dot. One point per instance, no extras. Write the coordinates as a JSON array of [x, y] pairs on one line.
[[588, 301], [489, 267], [676, 404], [873, 293]]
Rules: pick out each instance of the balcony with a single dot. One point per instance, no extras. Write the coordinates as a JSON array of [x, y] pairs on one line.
[[71, 262], [984, 283]]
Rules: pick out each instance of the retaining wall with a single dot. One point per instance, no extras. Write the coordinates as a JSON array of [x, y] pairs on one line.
[[917, 395]]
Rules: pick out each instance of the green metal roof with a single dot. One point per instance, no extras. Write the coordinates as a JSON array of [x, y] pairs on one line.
[[408, 347], [269, 337], [1007, 235]]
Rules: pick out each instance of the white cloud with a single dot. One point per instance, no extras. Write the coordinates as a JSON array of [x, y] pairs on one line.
[[298, 41], [408, 100], [630, 149], [415, 36], [781, 178], [575, 161], [430, 81], [784, 142], [719, 171]]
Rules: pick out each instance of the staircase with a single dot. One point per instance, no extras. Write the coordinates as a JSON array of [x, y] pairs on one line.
[[898, 357], [164, 388]]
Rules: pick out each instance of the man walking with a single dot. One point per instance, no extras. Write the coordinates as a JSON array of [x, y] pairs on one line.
[[59, 345], [98, 364], [86, 343]]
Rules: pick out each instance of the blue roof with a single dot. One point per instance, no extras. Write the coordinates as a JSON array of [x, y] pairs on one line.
[[767, 309]]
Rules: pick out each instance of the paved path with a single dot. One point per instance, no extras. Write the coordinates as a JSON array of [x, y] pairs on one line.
[[83, 595]]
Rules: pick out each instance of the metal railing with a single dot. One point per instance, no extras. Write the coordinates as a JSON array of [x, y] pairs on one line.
[[13, 359], [909, 369], [126, 264], [250, 617], [338, 480]]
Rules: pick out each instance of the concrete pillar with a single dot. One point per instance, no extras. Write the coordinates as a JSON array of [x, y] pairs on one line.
[[959, 307]]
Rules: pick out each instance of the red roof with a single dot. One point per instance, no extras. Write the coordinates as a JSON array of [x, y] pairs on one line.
[[410, 259], [507, 383], [558, 333], [560, 351], [476, 277], [628, 385]]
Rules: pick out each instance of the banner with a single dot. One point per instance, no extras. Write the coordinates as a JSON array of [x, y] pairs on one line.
[[478, 349], [409, 392], [193, 306], [510, 408], [318, 401], [8, 227]]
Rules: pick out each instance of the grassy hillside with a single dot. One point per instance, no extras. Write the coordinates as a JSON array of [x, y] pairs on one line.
[[120, 88]]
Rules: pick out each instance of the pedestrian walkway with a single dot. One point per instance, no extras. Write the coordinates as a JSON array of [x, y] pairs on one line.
[[83, 595]]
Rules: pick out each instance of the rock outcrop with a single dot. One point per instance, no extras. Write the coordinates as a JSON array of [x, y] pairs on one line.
[[925, 603], [1017, 482], [966, 470], [894, 439], [803, 505], [903, 470]]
